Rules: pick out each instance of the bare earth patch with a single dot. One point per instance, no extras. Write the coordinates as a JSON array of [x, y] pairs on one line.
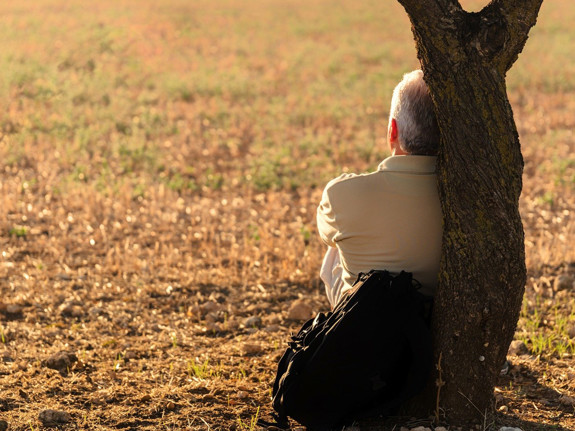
[[160, 167], [120, 350]]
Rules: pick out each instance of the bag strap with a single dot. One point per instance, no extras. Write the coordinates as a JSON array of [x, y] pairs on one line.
[[279, 422]]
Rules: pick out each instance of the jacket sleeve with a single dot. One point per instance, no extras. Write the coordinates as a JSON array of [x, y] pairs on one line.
[[326, 219]]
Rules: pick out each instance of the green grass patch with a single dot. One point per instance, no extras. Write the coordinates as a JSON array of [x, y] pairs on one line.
[[547, 326], [18, 231]]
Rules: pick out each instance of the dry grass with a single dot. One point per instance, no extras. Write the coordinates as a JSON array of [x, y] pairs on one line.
[[159, 156]]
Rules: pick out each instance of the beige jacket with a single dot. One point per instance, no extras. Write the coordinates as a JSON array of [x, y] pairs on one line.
[[388, 219]]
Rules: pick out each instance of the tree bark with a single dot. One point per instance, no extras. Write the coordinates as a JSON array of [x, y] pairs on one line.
[[465, 57]]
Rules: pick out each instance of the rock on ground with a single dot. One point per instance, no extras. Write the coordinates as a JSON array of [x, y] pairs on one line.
[[209, 307], [71, 310], [50, 417], [11, 310], [563, 282], [518, 348], [252, 322], [251, 348], [61, 361], [300, 310]]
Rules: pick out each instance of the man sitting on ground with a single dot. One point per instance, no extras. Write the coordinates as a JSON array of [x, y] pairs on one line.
[[389, 219]]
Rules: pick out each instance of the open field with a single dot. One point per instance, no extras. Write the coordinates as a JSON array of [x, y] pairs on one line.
[[160, 166]]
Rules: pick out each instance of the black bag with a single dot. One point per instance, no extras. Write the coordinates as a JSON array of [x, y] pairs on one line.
[[365, 358]]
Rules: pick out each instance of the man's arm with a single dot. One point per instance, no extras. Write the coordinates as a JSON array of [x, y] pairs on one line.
[[326, 219], [331, 274]]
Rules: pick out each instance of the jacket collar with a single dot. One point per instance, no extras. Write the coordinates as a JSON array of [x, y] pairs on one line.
[[419, 164]]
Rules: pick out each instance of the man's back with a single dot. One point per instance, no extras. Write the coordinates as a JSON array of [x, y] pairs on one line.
[[389, 219]]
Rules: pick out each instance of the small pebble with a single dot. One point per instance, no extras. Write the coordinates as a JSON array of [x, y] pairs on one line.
[[510, 429], [213, 326], [209, 307], [251, 348], [242, 394], [61, 361], [13, 309], [421, 428], [96, 311], [212, 317], [252, 322], [231, 324], [563, 282], [567, 400], [130, 354], [71, 310], [518, 348], [272, 328], [274, 318], [54, 417], [300, 310], [194, 312]]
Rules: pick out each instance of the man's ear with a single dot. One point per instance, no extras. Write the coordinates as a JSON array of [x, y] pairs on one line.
[[393, 130], [392, 134], [393, 138]]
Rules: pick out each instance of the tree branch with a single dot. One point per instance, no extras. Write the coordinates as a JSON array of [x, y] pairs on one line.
[[509, 35], [495, 36], [435, 25], [433, 14]]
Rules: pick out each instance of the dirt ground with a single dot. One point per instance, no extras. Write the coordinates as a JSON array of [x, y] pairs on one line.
[[160, 168], [126, 351]]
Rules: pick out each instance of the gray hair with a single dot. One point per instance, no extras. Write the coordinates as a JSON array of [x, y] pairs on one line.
[[412, 108]]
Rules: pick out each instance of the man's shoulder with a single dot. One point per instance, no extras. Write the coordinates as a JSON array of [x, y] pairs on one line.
[[350, 181]]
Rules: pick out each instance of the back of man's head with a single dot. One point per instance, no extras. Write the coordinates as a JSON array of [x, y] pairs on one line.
[[412, 108]]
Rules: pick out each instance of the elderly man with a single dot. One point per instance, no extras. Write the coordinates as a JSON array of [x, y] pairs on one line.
[[389, 219]]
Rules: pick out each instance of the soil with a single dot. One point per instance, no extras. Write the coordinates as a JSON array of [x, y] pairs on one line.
[[144, 357], [162, 163]]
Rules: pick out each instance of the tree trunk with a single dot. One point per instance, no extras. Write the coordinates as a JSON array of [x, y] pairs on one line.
[[464, 57]]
